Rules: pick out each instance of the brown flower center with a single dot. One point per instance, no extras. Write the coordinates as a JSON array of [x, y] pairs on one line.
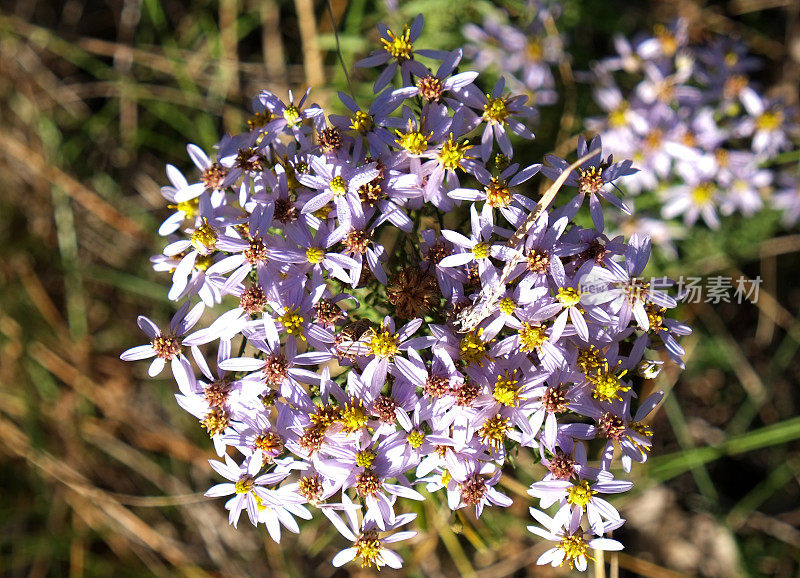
[[276, 368], [253, 300], [430, 88], [166, 346], [213, 176], [555, 399], [257, 251], [413, 292], [473, 489]]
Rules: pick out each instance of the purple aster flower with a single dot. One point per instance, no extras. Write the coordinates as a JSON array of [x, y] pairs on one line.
[[595, 177], [572, 542], [166, 346], [399, 49], [335, 181], [498, 112], [431, 87], [473, 484], [368, 542], [580, 496], [627, 295], [498, 192], [247, 487]]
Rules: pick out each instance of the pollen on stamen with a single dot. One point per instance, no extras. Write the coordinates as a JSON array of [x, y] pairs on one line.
[[532, 337], [368, 548], [276, 369], [493, 431], [368, 483], [495, 111], [452, 153], [590, 180], [498, 195], [167, 346], [361, 122], [608, 385], [256, 251], [338, 186], [399, 47], [310, 487], [472, 349], [473, 489], [413, 141], [430, 88]]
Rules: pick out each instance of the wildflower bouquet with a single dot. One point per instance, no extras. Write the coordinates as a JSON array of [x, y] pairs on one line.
[[396, 316]]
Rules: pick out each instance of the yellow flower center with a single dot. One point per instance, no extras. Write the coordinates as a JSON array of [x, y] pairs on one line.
[[203, 262], [325, 415], [292, 322], [415, 439], [292, 115], [368, 547], [580, 494], [364, 458], [315, 255], [653, 139], [568, 296], [383, 343], [244, 485], [573, 547], [216, 421], [507, 305], [399, 46], [361, 122], [770, 120], [669, 44], [189, 208], [703, 193], [413, 141], [531, 336], [353, 417], [617, 118], [493, 431], [495, 110], [655, 315], [259, 120], [589, 360], [323, 212], [453, 153], [204, 238], [608, 385], [338, 186], [534, 49], [506, 391], [472, 349], [481, 251], [498, 195]]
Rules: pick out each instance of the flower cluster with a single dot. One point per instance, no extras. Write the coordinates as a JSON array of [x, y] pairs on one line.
[[705, 138], [337, 253], [524, 53]]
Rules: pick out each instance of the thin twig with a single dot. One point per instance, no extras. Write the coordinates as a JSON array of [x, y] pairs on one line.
[[339, 48]]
